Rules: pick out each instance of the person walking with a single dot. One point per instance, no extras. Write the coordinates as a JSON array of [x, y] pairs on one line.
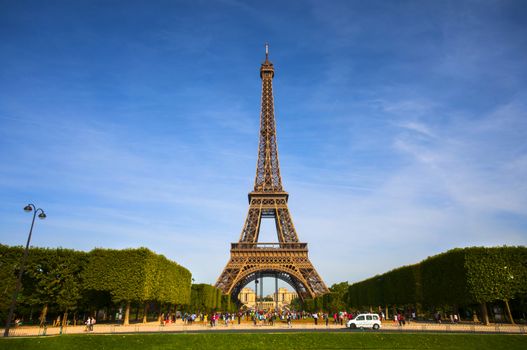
[[88, 324]]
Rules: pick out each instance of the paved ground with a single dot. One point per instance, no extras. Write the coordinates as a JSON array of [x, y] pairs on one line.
[[247, 327]]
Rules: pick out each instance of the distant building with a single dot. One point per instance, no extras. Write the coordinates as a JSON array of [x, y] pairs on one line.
[[247, 297], [284, 297]]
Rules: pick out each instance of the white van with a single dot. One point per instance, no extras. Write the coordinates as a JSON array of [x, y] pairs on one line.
[[365, 321]]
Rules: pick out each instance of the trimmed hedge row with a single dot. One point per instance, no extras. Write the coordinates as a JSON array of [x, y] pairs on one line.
[[70, 279], [457, 277], [204, 298], [51, 277], [207, 298], [137, 275]]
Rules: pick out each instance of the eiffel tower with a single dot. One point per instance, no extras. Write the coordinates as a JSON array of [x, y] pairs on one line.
[[288, 259]]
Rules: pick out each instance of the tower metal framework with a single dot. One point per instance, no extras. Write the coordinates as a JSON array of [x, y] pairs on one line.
[[288, 259]]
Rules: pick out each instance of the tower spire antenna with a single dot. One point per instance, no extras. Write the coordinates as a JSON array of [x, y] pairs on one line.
[[267, 51]]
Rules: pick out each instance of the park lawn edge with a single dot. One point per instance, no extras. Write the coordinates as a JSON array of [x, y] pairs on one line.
[[296, 340]]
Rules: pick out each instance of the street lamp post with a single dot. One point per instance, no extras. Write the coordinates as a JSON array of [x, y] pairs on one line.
[[28, 208]]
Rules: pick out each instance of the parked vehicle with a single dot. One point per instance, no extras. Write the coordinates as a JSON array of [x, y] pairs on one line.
[[365, 321]]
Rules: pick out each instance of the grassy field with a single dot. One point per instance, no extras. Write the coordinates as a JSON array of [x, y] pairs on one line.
[[269, 341]]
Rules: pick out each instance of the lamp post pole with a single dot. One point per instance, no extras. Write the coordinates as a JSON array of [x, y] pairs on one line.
[[42, 215]]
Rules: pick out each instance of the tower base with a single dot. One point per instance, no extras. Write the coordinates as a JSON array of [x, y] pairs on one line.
[[287, 261]]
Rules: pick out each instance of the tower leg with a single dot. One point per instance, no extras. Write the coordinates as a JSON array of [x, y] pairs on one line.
[[276, 291], [256, 294], [261, 290]]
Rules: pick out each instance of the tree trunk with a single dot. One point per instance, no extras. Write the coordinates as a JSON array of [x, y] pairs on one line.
[[43, 314], [126, 321], [509, 314], [160, 314], [75, 318], [65, 318], [485, 314], [145, 313], [137, 312], [386, 316], [168, 313]]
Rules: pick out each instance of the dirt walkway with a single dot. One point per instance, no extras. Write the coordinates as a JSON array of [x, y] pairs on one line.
[[154, 327]]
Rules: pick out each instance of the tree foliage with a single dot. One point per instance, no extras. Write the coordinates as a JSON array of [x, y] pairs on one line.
[[137, 275], [207, 298], [457, 277], [496, 273], [53, 276], [10, 258], [68, 279]]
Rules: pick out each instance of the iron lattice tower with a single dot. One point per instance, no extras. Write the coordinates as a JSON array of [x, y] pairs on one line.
[[287, 259]]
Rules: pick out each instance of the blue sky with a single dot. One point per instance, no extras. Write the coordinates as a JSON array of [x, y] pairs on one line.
[[402, 126]]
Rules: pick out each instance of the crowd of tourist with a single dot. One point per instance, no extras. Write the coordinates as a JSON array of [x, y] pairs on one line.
[[257, 317], [269, 318]]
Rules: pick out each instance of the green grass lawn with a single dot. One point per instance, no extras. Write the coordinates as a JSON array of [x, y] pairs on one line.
[[356, 340]]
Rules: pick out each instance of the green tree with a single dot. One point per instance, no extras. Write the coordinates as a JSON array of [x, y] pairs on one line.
[[336, 300], [52, 277], [10, 258], [497, 274], [457, 277], [136, 275], [207, 298]]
